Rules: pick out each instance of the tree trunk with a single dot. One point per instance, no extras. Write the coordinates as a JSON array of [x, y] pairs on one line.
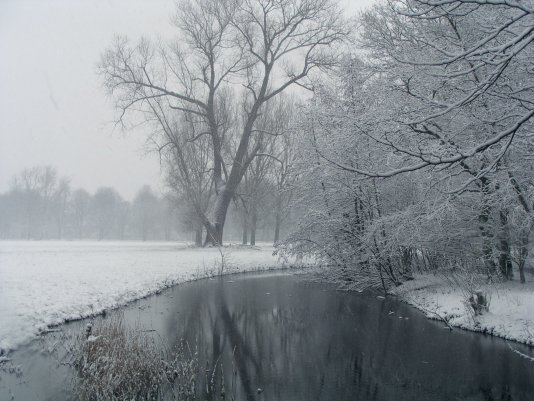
[[198, 235], [505, 259], [214, 235], [253, 225], [523, 247], [277, 219], [214, 231], [277, 223], [523, 254], [485, 230], [522, 270], [245, 229]]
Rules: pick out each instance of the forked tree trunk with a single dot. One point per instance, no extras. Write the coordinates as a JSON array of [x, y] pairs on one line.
[[214, 229], [214, 235]]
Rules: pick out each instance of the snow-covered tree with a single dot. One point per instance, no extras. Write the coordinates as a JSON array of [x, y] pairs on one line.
[[413, 156]]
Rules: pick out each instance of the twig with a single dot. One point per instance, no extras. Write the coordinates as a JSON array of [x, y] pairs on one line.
[[522, 355]]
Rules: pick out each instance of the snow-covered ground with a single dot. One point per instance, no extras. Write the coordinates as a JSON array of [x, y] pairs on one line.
[[47, 282], [511, 305], [43, 283]]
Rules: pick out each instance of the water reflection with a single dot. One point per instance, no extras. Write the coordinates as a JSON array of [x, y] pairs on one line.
[[296, 341], [300, 342]]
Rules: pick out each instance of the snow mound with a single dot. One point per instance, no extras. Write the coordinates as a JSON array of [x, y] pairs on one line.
[[510, 314]]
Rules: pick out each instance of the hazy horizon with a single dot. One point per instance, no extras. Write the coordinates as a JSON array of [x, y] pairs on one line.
[[53, 108]]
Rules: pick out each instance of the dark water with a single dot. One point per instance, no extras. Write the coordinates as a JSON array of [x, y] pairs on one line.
[[298, 341]]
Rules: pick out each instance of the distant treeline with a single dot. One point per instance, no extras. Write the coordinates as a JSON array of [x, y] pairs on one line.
[[41, 204]]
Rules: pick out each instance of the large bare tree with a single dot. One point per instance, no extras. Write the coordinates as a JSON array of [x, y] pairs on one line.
[[230, 53]]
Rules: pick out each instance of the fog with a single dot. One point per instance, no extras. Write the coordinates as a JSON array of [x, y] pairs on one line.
[[143, 145], [53, 108]]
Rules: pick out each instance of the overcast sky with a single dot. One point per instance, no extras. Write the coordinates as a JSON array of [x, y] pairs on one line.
[[53, 109]]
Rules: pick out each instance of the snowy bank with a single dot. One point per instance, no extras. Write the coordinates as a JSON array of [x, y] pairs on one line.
[[46, 283], [510, 314]]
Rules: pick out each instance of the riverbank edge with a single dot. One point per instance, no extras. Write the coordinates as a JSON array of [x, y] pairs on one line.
[[511, 304], [439, 301], [229, 270]]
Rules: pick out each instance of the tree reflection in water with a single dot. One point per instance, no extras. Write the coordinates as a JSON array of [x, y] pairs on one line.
[[297, 341]]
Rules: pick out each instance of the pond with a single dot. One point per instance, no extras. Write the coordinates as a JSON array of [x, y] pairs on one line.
[[288, 339]]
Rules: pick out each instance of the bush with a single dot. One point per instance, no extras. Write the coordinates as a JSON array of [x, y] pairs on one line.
[[115, 362], [479, 302]]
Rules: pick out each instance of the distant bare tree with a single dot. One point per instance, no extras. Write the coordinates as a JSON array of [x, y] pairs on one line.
[[269, 168], [104, 206], [80, 205], [60, 201], [168, 215], [188, 171], [37, 186], [145, 211], [123, 217]]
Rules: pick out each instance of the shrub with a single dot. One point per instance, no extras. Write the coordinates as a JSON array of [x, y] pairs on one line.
[[115, 362]]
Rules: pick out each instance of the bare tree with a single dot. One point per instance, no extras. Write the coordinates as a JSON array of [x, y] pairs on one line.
[[122, 216], [145, 210], [188, 171], [37, 186], [283, 155], [252, 50], [80, 205], [168, 216], [105, 207], [60, 200]]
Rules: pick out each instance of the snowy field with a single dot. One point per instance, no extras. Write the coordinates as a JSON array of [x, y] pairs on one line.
[[511, 306], [47, 282]]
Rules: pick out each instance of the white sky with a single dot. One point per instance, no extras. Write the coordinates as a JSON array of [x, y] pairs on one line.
[[53, 109]]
